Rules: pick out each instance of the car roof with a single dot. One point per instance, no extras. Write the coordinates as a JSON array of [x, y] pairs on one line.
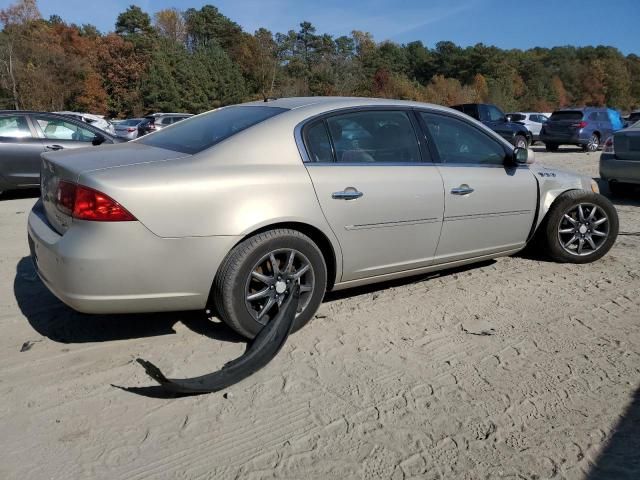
[[321, 104]]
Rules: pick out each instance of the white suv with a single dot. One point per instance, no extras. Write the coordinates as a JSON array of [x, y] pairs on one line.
[[532, 120]]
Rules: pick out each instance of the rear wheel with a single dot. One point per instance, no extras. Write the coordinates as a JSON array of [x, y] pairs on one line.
[[520, 141], [617, 188], [580, 227], [593, 144], [257, 275], [551, 147]]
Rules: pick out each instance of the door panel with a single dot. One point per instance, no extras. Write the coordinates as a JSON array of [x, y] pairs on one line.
[[489, 207], [19, 152], [496, 216], [393, 226]]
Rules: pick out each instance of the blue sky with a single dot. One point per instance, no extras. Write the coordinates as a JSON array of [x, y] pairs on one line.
[[505, 23]]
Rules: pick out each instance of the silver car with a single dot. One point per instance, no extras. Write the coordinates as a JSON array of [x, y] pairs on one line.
[[620, 160], [226, 210], [128, 129]]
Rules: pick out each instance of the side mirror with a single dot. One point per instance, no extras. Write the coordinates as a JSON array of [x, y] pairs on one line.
[[524, 156], [98, 139]]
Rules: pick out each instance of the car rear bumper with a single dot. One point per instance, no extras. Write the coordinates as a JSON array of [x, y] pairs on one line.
[[625, 171], [563, 139], [122, 267]]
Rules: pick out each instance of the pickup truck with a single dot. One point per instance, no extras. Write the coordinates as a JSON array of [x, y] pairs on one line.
[[494, 118]]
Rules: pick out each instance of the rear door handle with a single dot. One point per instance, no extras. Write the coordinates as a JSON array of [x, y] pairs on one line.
[[54, 147], [349, 193], [462, 190]]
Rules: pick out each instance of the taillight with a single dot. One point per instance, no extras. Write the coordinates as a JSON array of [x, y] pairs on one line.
[[85, 203], [580, 125], [609, 146], [131, 129]]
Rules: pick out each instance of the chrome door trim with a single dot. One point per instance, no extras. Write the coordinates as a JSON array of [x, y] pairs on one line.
[[400, 223]]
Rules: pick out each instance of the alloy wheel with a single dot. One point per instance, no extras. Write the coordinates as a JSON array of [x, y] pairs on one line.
[[583, 229], [270, 281], [594, 143]]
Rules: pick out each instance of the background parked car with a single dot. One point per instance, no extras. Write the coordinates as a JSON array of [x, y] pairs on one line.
[[584, 127], [532, 120], [620, 159], [95, 120], [25, 135], [494, 118], [633, 117], [158, 121], [128, 129]]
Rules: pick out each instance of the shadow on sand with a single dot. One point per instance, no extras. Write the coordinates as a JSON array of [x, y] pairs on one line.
[[620, 457]]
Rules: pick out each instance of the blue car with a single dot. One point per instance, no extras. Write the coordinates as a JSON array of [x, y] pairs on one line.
[[584, 127]]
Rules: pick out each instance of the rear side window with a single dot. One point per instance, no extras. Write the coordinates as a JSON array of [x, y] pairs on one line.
[[568, 115], [318, 143], [374, 136], [57, 129], [204, 131], [461, 143], [14, 126]]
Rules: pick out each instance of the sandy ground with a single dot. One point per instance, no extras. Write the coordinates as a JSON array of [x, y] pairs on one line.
[[394, 381]]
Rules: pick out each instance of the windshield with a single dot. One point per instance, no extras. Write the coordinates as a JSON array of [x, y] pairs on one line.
[[203, 131], [566, 115]]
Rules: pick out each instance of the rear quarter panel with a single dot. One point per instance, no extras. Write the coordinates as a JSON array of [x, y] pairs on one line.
[[251, 180]]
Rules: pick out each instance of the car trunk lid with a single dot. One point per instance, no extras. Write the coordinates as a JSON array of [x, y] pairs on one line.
[[69, 165]]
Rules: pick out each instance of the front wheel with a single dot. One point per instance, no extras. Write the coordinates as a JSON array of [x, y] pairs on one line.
[[256, 277], [581, 227]]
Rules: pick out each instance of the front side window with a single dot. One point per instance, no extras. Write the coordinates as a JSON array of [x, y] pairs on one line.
[[14, 126], [57, 129], [461, 143], [494, 114], [374, 136], [198, 133]]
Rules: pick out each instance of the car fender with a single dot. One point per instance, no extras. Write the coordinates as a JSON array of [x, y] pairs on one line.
[[552, 183]]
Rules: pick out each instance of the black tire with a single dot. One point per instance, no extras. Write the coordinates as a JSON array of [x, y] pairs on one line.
[[617, 188], [551, 238], [520, 141], [233, 277], [551, 147]]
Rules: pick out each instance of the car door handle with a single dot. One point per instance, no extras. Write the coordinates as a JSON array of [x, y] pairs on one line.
[[347, 194], [462, 190], [54, 147]]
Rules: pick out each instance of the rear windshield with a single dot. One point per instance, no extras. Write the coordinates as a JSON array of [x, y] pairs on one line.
[[517, 117], [203, 131], [566, 115], [131, 122]]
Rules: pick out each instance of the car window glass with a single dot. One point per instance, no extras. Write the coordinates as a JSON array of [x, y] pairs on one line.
[[459, 142], [495, 115], [594, 117], [14, 126], [603, 116], [56, 129], [318, 144], [374, 136], [207, 129]]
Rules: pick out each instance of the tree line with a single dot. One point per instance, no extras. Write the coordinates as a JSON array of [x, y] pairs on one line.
[[198, 59]]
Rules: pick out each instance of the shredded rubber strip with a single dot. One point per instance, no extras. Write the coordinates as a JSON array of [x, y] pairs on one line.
[[260, 352]]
